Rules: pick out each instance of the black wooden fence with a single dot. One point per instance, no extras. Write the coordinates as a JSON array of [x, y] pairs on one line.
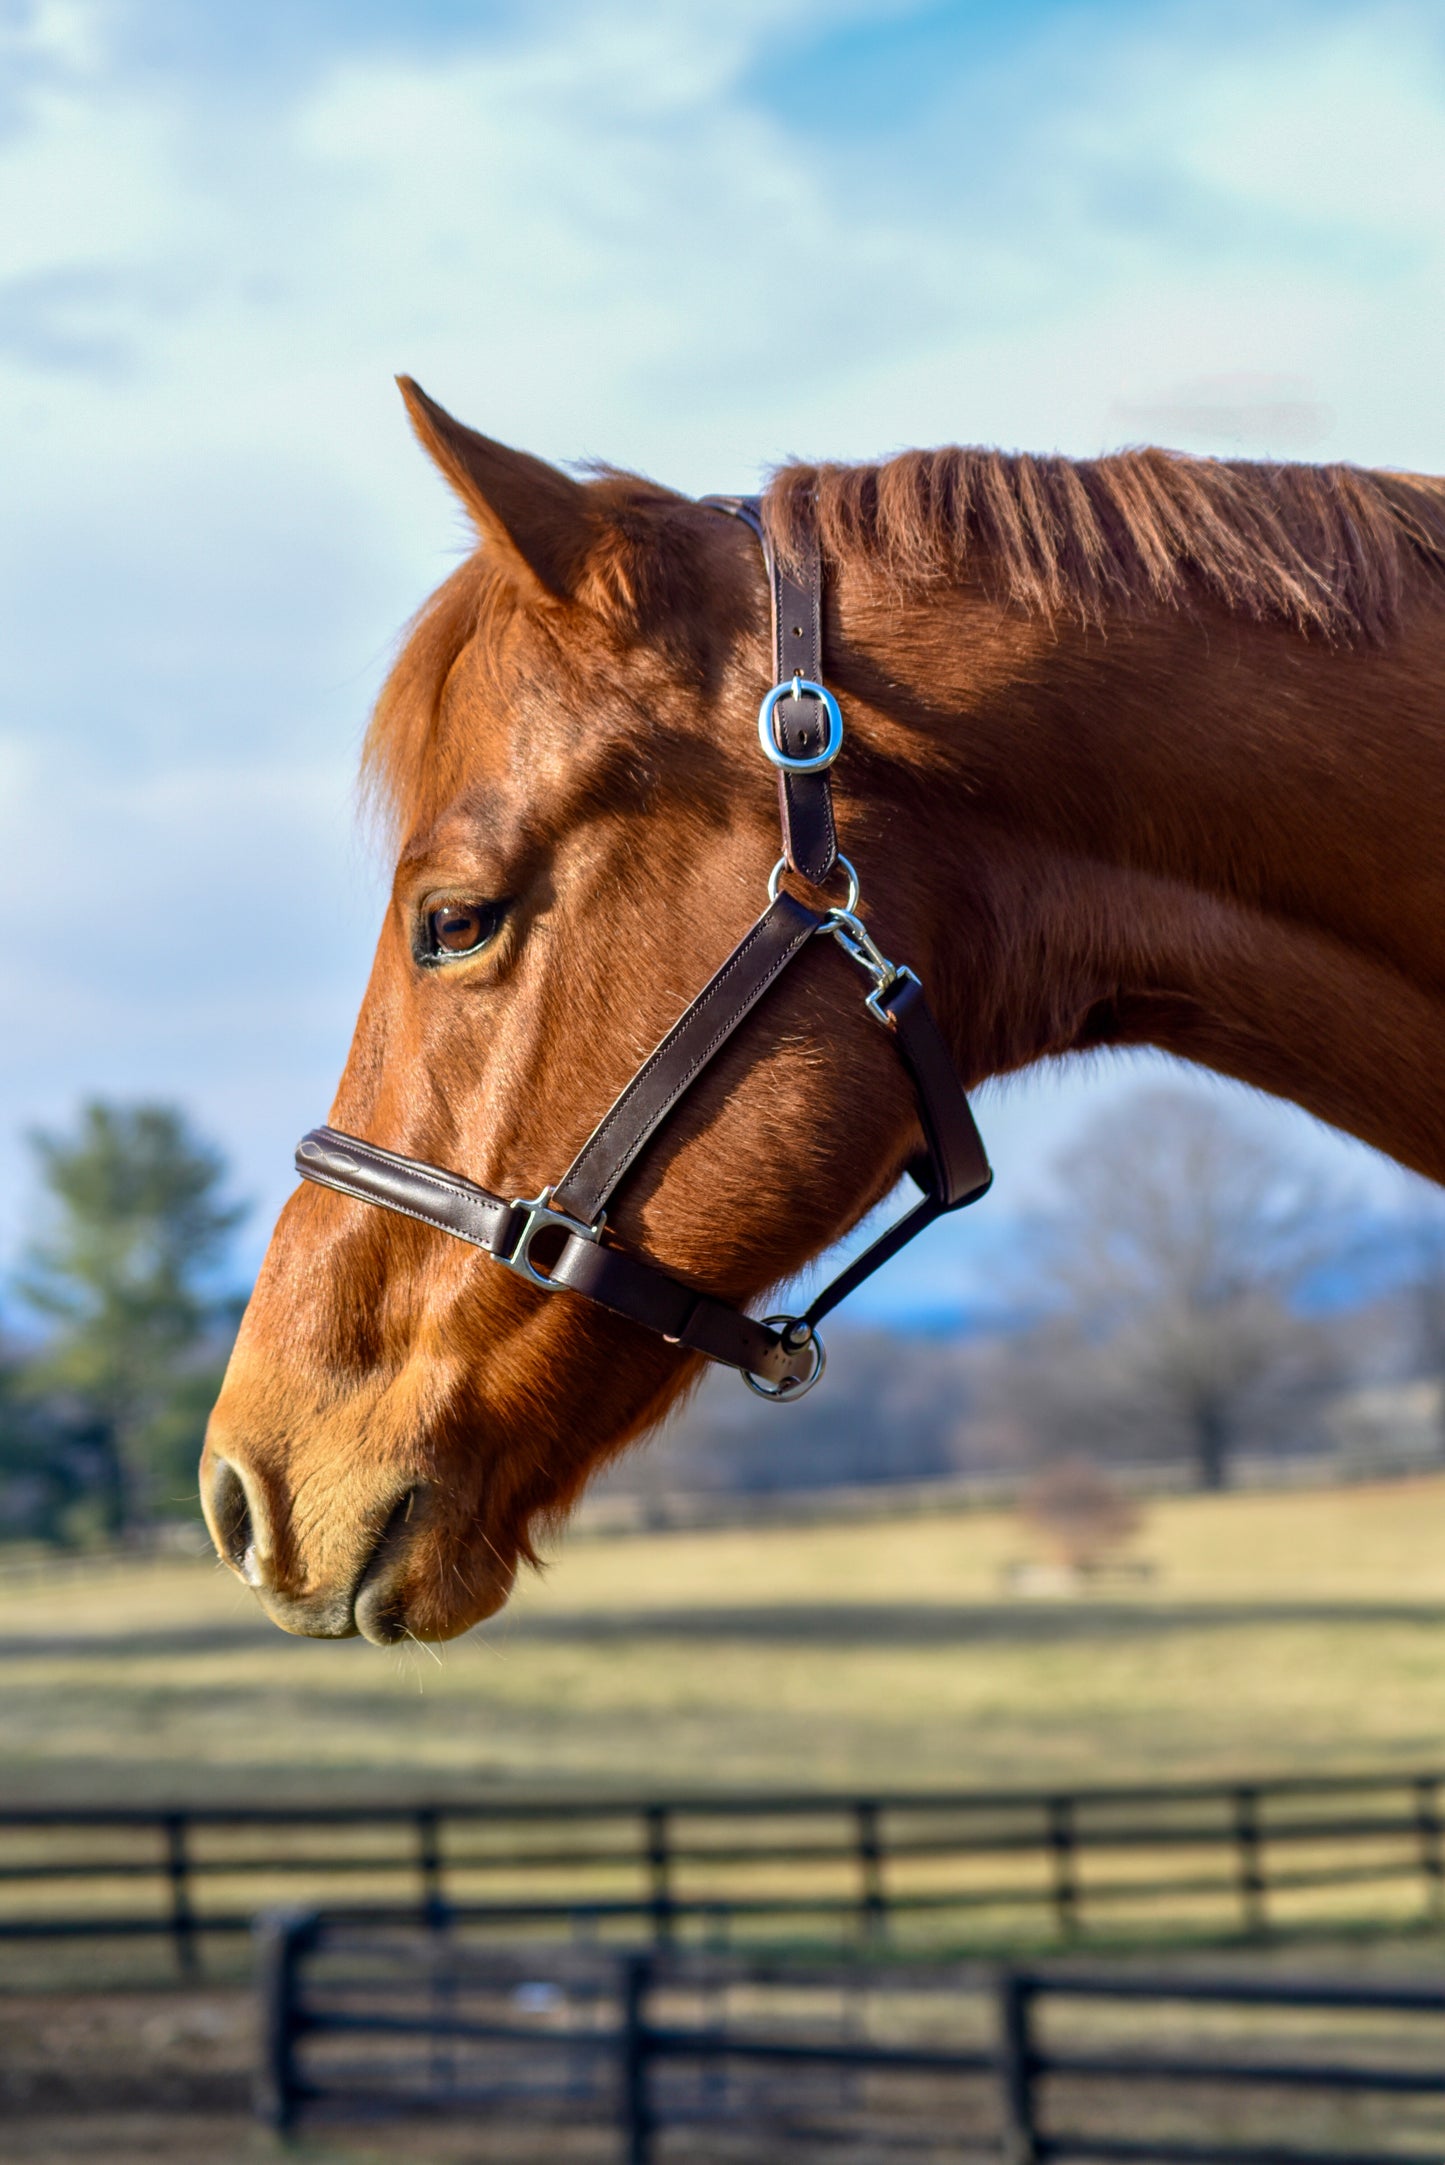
[[997, 1868], [1015, 2066]]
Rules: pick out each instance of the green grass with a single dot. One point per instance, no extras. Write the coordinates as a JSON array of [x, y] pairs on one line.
[[1282, 1631]]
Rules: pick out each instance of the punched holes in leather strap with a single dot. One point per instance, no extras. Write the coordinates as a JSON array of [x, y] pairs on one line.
[[805, 801], [795, 592]]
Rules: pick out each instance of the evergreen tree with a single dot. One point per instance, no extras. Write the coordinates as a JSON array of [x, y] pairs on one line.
[[124, 1271]]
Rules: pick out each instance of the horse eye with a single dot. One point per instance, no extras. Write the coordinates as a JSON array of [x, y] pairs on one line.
[[459, 928]]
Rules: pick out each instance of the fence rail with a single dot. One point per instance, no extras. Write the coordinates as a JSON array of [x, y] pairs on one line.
[[1023, 2066], [1002, 1866]]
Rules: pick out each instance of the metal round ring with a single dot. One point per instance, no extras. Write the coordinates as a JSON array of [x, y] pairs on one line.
[[775, 883], [791, 1387], [832, 741]]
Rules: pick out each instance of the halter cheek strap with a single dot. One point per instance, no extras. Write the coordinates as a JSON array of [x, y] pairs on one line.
[[801, 731], [797, 729]]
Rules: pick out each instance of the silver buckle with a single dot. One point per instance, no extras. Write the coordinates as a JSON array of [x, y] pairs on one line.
[[542, 1218], [791, 1386], [791, 763]]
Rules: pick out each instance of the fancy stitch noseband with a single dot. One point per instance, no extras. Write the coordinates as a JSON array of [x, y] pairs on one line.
[[801, 732]]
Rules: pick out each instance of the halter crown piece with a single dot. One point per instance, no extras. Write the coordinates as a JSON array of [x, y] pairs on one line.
[[800, 729]]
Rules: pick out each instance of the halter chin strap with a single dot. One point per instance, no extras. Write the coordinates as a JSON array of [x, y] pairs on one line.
[[559, 1240]]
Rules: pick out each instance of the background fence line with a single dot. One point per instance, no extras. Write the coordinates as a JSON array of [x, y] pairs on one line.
[[977, 2047], [1064, 1862]]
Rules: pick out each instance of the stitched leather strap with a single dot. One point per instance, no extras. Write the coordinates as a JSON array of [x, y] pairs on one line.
[[754, 964], [623, 1283], [649, 1296], [334, 1159], [956, 1171], [961, 1171], [805, 801]]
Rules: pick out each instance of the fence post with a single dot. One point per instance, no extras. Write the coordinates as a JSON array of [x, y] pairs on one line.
[[1017, 2067], [635, 2041], [429, 1867], [1063, 1840], [178, 1868], [872, 1900], [1250, 1849], [282, 1938], [1427, 1820], [659, 1873]]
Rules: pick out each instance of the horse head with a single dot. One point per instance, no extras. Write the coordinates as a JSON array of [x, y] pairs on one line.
[[566, 751], [1141, 750]]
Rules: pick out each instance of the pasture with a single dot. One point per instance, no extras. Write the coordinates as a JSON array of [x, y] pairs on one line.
[[1279, 1632]]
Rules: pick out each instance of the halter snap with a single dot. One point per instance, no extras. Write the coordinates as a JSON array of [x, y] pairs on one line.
[[859, 945]]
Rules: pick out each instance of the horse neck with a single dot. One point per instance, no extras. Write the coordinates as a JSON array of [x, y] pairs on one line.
[[1178, 828]]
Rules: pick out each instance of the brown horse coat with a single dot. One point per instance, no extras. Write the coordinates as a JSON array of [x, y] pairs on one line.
[[1143, 750]]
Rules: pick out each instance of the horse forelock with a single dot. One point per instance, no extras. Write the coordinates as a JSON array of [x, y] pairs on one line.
[[1326, 549], [398, 752]]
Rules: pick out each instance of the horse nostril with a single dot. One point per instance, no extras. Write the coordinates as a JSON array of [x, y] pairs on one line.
[[381, 1615], [231, 1520], [380, 1607]]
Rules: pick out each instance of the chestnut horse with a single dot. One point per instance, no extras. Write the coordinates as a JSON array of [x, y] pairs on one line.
[[1141, 750]]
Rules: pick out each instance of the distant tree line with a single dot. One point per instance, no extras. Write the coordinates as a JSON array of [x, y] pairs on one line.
[[1190, 1294], [127, 1322]]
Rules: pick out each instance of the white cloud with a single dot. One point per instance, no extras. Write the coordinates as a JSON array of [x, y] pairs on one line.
[[596, 233]]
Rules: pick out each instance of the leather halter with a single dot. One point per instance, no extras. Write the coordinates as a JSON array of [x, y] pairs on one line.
[[801, 731]]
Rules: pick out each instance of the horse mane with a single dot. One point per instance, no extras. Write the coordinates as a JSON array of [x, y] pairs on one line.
[[1326, 549]]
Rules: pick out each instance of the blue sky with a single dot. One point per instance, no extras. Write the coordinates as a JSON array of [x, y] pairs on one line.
[[684, 239]]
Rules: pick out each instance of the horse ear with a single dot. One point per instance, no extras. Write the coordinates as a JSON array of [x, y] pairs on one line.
[[524, 506]]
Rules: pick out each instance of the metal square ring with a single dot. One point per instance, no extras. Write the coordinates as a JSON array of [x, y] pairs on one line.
[[542, 1218]]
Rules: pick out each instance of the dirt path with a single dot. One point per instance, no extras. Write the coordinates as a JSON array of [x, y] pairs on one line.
[[164, 2078]]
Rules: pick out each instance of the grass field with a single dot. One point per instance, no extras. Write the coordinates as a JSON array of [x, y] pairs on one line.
[[1279, 1632]]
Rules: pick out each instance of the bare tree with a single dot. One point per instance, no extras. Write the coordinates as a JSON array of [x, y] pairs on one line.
[[1169, 1271]]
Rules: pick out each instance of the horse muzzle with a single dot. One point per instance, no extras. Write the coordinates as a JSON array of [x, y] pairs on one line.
[[379, 1585]]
